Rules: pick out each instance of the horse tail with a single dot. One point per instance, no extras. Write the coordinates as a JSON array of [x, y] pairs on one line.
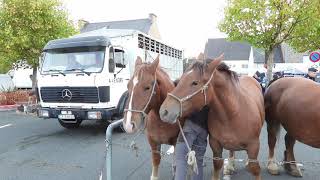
[[273, 124]]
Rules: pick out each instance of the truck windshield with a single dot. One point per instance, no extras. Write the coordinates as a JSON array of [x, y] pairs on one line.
[[87, 60]]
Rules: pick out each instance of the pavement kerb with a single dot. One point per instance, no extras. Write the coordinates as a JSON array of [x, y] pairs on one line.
[[8, 107]]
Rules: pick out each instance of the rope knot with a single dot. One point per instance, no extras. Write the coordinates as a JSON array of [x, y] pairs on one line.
[[192, 161], [134, 147]]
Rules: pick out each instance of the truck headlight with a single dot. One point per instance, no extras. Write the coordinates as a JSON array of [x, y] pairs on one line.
[[94, 115], [44, 113]]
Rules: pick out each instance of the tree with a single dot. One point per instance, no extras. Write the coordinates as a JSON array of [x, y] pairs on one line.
[[26, 26], [268, 23], [5, 65]]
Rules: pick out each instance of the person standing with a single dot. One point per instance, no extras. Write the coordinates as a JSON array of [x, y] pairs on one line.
[[195, 130]]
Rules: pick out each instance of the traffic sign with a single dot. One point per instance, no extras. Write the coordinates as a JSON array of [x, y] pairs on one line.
[[314, 57]]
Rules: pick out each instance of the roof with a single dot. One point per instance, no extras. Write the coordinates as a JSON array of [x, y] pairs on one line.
[[231, 50], [142, 25], [237, 51], [77, 42]]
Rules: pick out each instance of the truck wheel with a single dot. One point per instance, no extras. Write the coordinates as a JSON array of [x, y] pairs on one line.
[[70, 125]]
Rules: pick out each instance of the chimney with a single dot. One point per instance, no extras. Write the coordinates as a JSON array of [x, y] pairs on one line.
[[153, 17], [82, 23], [201, 57]]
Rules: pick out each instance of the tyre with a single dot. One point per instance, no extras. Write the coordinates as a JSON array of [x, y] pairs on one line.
[[68, 125]]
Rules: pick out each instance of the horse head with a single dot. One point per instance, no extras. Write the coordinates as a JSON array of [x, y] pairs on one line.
[[192, 93], [143, 94]]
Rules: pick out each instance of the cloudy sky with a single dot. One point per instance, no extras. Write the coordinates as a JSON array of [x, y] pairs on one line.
[[183, 24]]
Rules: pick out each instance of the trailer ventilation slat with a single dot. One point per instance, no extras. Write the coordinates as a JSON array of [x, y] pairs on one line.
[[155, 46]]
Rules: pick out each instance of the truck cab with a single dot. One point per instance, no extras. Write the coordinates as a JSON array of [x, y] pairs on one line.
[[82, 78]]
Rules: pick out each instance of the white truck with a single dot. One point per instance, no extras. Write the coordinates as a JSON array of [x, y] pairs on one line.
[[85, 77]]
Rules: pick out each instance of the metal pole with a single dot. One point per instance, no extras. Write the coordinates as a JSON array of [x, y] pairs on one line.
[[109, 147]]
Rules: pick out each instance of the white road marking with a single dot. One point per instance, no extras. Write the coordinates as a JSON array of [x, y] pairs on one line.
[[7, 125], [100, 177], [170, 150], [128, 125]]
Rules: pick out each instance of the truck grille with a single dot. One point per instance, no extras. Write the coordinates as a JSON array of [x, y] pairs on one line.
[[70, 94]]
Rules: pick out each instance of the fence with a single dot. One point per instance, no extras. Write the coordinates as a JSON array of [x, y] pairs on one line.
[[132, 158]]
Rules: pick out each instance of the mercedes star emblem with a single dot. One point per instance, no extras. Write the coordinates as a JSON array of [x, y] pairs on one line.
[[66, 94]]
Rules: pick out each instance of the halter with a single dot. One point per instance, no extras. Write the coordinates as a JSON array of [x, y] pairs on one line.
[[144, 114], [203, 90]]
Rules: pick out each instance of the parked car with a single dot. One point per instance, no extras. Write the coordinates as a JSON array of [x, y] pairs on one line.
[[6, 83]]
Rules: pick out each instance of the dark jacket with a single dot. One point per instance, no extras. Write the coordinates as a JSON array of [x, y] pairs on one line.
[[308, 77], [200, 118]]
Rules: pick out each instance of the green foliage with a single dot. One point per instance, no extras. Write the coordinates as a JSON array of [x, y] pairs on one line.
[[267, 23], [27, 25], [5, 65]]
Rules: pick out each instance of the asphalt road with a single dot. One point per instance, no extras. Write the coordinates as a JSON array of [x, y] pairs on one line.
[[37, 149]]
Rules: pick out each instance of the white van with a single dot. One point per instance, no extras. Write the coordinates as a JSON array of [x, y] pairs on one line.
[[85, 77], [22, 78]]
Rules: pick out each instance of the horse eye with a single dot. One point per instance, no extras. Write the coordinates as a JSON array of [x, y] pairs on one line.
[[147, 88], [195, 83]]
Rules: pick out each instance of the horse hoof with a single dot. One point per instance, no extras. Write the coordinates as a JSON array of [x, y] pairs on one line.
[[229, 167], [154, 178], [293, 170], [228, 171], [273, 168]]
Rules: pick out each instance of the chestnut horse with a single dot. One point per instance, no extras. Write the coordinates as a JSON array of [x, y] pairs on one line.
[[236, 106], [148, 88], [293, 103]]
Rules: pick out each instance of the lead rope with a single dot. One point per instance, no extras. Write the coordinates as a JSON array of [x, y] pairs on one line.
[[192, 160], [133, 144], [203, 90]]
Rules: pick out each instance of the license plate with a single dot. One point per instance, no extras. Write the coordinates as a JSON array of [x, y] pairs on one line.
[[66, 116], [66, 112]]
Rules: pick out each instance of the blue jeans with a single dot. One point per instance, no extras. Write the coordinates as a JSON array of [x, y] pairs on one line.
[[197, 140]]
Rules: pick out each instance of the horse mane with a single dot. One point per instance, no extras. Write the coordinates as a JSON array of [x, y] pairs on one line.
[[203, 65], [164, 73], [224, 67]]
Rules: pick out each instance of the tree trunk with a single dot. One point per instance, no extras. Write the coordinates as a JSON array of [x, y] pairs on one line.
[[34, 78], [270, 55]]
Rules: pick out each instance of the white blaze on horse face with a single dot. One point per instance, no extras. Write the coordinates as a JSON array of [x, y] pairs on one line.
[[128, 125], [189, 72]]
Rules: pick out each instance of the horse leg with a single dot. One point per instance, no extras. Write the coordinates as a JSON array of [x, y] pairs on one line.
[[273, 131], [217, 153], [156, 157], [253, 164], [291, 168], [229, 167]]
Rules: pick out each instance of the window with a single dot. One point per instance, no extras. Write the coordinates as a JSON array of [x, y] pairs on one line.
[[244, 66], [119, 58], [88, 59]]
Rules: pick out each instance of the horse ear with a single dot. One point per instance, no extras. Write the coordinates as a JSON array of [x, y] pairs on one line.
[[201, 57], [215, 62], [155, 64], [138, 61]]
